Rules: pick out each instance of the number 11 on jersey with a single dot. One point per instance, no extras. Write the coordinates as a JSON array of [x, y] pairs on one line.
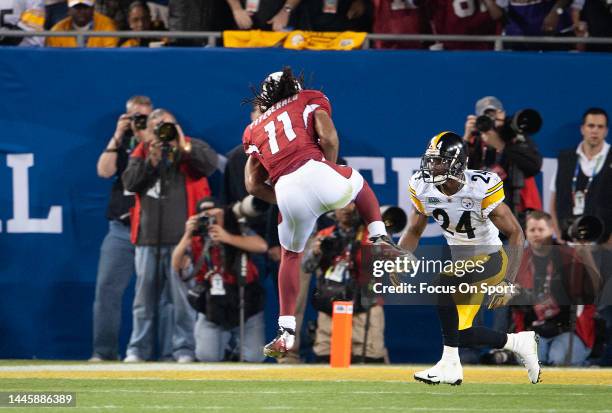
[[270, 129]]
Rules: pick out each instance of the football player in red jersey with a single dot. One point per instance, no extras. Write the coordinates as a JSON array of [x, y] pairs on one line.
[[293, 147]]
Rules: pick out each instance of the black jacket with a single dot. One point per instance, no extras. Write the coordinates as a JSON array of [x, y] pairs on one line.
[[519, 160]]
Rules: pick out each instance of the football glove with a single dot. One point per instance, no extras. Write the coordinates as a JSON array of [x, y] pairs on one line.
[[501, 299]]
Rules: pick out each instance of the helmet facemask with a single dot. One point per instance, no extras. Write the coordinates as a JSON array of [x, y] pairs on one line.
[[438, 168]]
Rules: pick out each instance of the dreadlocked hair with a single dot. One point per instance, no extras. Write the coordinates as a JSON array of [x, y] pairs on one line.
[[272, 91]]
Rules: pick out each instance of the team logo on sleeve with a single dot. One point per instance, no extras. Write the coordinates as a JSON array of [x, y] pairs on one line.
[[467, 203]]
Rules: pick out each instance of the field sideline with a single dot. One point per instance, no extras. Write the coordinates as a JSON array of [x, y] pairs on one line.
[[235, 387]]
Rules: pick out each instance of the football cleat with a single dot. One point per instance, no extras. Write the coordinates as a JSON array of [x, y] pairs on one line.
[[526, 349], [445, 372], [385, 241], [278, 348], [382, 240]]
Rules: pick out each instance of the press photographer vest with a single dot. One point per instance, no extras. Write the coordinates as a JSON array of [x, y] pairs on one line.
[[598, 200]]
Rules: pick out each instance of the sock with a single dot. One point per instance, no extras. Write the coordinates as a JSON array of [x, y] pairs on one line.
[[481, 336], [450, 354], [511, 342], [368, 207], [376, 228], [289, 282], [449, 320], [287, 321]]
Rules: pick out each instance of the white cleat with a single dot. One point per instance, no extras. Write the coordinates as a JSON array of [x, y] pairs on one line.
[[526, 348], [445, 372]]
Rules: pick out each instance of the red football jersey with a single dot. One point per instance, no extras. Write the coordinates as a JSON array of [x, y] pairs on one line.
[[462, 17], [283, 138]]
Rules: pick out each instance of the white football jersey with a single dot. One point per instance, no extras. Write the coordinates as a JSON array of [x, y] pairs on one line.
[[27, 15], [464, 216]]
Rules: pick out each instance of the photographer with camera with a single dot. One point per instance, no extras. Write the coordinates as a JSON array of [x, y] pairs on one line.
[[503, 145], [335, 257], [581, 200], [583, 179], [214, 251], [558, 286], [116, 264], [168, 175]]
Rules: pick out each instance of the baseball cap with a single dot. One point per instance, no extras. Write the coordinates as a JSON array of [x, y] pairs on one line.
[[487, 103], [207, 203], [90, 3]]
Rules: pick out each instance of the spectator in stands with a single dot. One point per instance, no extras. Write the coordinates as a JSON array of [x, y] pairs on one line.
[[538, 18], [116, 264], [116, 10], [335, 256], [399, 17], [25, 16], [477, 17], [55, 10], [339, 15], [276, 15], [595, 21], [561, 282], [139, 19], [168, 175], [81, 16], [159, 13], [212, 250], [195, 15]]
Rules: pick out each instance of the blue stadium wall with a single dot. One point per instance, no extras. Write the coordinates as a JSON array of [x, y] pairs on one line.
[[58, 109]]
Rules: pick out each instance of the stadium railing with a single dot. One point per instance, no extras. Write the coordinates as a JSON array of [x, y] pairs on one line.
[[210, 39]]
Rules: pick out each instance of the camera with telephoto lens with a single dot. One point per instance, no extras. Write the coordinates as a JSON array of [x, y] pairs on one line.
[[249, 207], [584, 228], [523, 122], [202, 225], [140, 121], [166, 132], [332, 246], [394, 218]]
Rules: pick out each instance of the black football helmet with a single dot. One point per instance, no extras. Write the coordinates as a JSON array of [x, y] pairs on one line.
[[445, 158]]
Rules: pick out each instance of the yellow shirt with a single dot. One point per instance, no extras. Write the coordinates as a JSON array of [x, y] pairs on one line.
[[101, 23]]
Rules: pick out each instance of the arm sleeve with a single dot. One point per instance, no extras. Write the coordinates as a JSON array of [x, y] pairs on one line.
[[493, 196], [202, 159], [249, 148], [139, 175], [322, 101]]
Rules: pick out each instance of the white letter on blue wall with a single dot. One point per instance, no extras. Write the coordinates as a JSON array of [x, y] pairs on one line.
[[21, 221]]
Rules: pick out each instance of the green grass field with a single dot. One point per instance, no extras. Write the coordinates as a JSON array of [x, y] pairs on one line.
[[242, 388]]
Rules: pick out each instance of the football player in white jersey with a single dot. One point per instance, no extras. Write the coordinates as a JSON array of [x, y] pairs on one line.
[[24, 15], [468, 205]]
